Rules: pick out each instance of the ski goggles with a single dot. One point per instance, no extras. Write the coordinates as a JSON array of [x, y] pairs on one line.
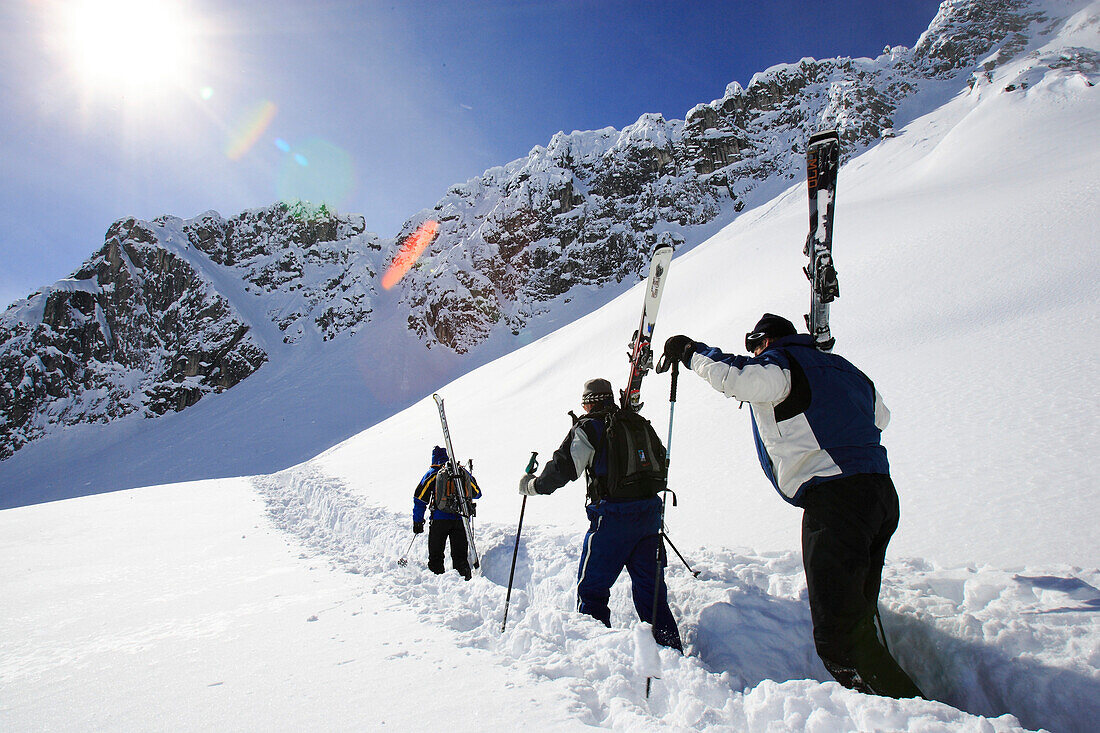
[[754, 340]]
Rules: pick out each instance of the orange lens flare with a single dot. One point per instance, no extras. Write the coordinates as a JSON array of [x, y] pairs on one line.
[[410, 251]]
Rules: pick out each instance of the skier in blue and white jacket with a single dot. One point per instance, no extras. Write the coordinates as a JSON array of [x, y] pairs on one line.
[[817, 422]]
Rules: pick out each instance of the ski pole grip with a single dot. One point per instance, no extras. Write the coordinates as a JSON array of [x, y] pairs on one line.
[[675, 374], [533, 464]]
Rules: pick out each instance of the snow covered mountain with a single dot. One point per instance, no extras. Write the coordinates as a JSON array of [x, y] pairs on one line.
[[968, 264], [170, 311], [586, 209], [153, 322]]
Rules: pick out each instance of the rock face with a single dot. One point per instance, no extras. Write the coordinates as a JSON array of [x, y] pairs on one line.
[[316, 270], [141, 327], [157, 318]]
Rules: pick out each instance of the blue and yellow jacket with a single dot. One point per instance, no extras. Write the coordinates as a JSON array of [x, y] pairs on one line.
[[425, 493]]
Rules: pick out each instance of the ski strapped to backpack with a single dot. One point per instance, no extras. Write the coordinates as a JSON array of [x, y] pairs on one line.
[[822, 164], [462, 494]]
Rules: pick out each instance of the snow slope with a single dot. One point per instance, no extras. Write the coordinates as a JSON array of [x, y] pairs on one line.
[[182, 608], [189, 607], [968, 269]]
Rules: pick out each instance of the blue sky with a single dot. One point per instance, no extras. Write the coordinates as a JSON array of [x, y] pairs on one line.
[[180, 106]]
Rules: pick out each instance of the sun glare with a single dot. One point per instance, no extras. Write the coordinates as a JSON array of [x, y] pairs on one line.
[[129, 45]]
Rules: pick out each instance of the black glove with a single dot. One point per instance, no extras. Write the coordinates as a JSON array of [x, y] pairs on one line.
[[680, 348], [418, 527]]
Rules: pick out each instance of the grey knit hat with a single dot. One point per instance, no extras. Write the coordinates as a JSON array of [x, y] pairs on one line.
[[597, 390]]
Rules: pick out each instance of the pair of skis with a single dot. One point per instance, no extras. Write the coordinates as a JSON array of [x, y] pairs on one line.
[[641, 347], [822, 164], [641, 361]]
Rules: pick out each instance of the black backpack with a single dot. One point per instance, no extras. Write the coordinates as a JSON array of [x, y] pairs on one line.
[[636, 463]]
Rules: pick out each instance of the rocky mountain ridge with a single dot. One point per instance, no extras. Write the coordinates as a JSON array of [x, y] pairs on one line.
[[586, 209], [169, 311], [142, 327]]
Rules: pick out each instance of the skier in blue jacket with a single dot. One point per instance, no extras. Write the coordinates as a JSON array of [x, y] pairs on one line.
[[817, 422], [444, 525], [622, 533]]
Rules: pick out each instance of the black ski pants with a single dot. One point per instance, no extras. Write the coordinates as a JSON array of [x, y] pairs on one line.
[[438, 533], [846, 526]]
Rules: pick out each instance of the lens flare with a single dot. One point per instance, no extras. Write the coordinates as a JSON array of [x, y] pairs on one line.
[[250, 130], [410, 251]]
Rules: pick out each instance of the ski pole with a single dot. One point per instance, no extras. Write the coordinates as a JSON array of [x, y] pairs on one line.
[[679, 555], [662, 367], [661, 534], [403, 561], [532, 466], [672, 409]]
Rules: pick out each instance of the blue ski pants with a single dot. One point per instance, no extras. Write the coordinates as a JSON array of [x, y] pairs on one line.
[[626, 535]]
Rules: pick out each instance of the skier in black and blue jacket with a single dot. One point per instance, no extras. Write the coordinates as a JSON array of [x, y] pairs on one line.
[[444, 525], [817, 422], [622, 533]]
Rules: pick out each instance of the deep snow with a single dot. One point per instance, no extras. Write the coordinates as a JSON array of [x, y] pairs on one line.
[[280, 605]]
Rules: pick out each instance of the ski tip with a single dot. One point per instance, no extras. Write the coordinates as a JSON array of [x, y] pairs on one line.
[[823, 135]]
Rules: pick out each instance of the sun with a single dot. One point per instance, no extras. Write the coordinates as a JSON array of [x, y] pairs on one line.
[[129, 45]]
